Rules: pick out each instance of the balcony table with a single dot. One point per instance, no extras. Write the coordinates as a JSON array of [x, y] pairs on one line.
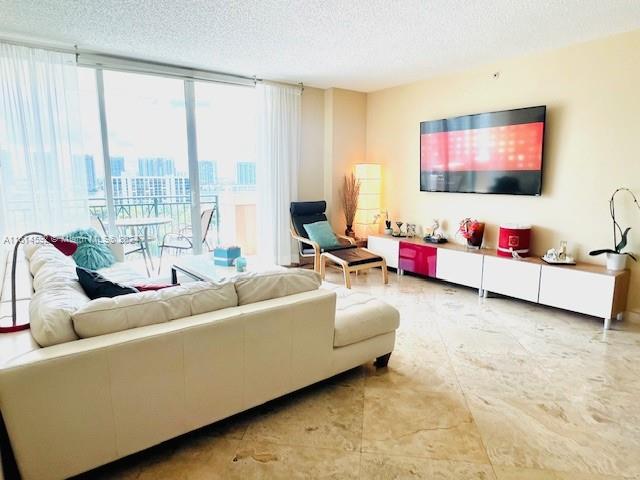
[[144, 223]]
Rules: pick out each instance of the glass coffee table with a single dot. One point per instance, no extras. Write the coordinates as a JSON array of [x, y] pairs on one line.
[[202, 268]]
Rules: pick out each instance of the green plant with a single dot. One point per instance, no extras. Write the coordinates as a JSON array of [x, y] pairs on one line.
[[618, 247]]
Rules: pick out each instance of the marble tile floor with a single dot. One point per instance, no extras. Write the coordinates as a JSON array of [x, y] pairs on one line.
[[476, 389]]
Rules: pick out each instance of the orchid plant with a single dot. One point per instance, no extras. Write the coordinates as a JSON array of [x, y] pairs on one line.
[[618, 246]]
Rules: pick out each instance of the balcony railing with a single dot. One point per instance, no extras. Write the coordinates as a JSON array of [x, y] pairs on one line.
[[176, 207]]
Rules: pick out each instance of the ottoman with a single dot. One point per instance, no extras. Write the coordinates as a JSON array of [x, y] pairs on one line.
[[353, 260]]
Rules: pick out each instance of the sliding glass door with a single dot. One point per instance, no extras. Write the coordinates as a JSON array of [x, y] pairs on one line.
[[148, 154], [156, 182], [91, 155], [226, 144]]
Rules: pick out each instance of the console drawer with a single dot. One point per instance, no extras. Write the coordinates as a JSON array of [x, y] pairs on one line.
[[387, 248], [589, 293], [515, 278], [463, 268], [420, 259]]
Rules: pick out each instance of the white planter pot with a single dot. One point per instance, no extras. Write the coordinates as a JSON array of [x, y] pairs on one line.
[[616, 261]]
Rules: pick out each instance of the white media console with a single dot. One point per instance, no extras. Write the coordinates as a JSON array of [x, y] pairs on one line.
[[583, 288]]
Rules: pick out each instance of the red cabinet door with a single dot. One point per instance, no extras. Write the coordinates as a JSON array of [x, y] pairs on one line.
[[420, 259]]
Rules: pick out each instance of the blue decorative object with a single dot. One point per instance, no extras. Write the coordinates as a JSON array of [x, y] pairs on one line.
[[92, 253], [224, 256], [322, 233], [241, 264]]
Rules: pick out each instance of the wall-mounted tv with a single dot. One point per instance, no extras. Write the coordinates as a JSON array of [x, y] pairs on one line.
[[497, 152]]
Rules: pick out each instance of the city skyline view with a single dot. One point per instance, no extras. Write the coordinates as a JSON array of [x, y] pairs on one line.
[[146, 119]]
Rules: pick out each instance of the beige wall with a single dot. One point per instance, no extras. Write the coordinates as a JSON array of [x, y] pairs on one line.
[[592, 144], [345, 144], [311, 174], [333, 140]]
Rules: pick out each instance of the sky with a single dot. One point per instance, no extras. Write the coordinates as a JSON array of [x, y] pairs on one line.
[[146, 118]]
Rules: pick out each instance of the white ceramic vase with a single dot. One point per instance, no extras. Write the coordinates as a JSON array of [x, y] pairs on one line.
[[616, 261]]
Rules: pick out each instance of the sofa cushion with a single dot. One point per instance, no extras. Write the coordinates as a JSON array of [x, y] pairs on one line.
[[123, 273], [50, 312], [57, 295], [108, 315], [257, 287], [360, 316]]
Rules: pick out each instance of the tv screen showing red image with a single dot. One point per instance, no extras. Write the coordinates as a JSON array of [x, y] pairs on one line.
[[497, 152]]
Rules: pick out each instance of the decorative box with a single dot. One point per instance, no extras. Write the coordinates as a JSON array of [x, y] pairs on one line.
[[224, 256], [514, 238]]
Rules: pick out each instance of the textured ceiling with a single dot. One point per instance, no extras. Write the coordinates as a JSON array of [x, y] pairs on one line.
[[358, 44]]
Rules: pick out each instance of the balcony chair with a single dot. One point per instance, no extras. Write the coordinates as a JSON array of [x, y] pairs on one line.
[[130, 243], [183, 239]]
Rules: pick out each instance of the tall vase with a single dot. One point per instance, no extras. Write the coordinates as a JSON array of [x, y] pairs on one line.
[[476, 238], [349, 232]]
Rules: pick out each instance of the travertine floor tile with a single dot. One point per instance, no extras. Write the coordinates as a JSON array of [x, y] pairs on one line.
[[260, 460], [325, 416], [381, 467], [474, 387], [515, 473], [559, 436], [421, 423]]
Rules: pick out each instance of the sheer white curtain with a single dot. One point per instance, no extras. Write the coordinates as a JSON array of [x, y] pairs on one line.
[[43, 183], [279, 116]]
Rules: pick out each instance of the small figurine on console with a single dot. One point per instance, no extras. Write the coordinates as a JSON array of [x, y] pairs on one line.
[[436, 235], [559, 256], [387, 223]]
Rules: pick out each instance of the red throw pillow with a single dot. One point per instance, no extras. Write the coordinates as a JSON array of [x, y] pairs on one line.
[[146, 287]]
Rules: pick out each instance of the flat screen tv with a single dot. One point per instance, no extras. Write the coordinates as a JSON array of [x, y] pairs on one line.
[[497, 152]]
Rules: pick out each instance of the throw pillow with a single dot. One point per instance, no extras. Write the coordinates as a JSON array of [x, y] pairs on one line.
[[322, 233], [92, 252], [97, 286]]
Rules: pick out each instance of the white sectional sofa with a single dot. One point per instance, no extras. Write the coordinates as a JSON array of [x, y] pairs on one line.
[[73, 406]]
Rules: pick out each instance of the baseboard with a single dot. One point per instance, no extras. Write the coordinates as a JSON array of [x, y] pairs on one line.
[[632, 316]]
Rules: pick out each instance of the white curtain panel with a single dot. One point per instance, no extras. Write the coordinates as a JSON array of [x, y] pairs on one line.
[[279, 117], [42, 174]]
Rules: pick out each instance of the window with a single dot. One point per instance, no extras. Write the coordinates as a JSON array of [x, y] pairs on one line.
[[226, 133], [148, 156], [246, 173]]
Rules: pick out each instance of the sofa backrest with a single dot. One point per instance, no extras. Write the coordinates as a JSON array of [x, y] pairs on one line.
[[258, 287], [60, 311], [108, 315]]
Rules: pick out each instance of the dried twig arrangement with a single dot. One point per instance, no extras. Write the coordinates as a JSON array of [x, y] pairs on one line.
[[350, 192]]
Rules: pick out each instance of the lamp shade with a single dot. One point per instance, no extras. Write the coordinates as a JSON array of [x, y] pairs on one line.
[[370, 177]]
